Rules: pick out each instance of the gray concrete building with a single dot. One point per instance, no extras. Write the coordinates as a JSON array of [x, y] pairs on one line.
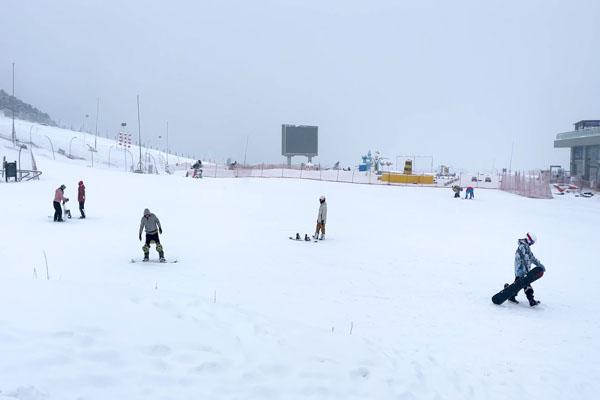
[[584, 142]]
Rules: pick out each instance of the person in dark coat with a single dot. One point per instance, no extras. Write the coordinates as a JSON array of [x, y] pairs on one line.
[[81, 199]]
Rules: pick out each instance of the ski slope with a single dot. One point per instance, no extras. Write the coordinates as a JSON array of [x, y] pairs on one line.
[[394, 304]]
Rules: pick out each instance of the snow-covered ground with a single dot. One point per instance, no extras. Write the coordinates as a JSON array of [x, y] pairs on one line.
[[74, 147], [394, 304]]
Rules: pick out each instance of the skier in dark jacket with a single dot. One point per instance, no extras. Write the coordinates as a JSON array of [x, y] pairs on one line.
[[456, 189], [523, 260], [152, 226], [81, 199]]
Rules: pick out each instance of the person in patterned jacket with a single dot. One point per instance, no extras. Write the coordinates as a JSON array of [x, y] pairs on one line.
[[523, 260]]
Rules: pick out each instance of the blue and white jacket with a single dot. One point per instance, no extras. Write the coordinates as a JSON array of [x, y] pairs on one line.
[[524, 258]]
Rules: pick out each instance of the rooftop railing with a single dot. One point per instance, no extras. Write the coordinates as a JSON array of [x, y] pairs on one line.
[[586, 132]]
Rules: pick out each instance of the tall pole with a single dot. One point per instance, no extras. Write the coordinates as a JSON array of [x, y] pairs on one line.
[[14, 132], [139, 130], [246, 149], [512, 147], [96, 133], [167, 142]]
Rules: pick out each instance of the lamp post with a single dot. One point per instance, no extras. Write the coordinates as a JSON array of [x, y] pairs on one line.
[[51, 146], [96, 130], [139, 132], [30, 134], [21, 147], [70, 142], [124, 143], [12, 101]]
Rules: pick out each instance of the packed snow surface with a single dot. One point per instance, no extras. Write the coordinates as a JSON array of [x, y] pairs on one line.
[[394, 304]]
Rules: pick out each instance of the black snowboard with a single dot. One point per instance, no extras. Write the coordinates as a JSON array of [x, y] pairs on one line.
[[513, 289], [306, 238]]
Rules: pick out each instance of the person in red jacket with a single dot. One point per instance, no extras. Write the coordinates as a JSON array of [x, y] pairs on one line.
[[81, 199]]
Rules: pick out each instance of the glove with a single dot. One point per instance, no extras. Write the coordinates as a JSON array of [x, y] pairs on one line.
[[160, 230], [140, 237]]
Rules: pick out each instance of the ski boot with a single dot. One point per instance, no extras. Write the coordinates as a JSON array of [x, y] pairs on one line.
[[322, 236], [532, 302], [512, 299], [146, 257], [161, 257]]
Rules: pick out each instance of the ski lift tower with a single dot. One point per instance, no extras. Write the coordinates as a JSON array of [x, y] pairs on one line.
[[299, 140]]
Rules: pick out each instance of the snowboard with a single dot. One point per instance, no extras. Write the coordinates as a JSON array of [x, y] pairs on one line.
[[306, 238], [513, 289], [154, 261]]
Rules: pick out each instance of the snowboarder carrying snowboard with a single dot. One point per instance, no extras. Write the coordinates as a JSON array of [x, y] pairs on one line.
[[456, 189], [59, 197], [81, 199], [152, 225], [523, 260], [321, 219]]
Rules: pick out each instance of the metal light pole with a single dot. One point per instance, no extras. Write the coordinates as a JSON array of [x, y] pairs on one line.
[[51, 147], [12, 100], [139, 131], [21, 147], [96, 132], [512, 147], [123, 125], [167, 142], [246, 149], [71, 142]]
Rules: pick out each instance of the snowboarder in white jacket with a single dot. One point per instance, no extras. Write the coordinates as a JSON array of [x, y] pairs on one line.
[[321, 219], [523, 260]]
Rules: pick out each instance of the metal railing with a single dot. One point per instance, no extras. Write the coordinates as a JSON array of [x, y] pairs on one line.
[[586, 132]]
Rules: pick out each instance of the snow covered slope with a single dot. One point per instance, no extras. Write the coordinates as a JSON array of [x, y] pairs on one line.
[[394, 304], [74, 147]]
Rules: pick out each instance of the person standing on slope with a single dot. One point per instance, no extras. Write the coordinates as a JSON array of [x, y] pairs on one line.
[[152, 225], [321, 219], [81, 199], [59, 197], [523, 260]]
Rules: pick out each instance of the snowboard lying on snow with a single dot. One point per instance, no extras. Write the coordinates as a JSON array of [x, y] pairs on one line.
[[513, 289], [305, 239], [154, 261]]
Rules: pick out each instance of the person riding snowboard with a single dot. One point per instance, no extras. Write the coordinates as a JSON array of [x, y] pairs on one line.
[[81, 199], [59, 197], [523, 260], [321, 219], [152, 225]]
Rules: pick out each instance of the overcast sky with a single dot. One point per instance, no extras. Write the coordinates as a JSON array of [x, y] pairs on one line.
[[458, 80]]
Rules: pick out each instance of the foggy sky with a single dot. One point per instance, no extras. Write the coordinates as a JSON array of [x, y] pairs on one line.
[[458, 80]]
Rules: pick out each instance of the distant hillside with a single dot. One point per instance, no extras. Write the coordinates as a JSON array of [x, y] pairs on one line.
[[23, 110]]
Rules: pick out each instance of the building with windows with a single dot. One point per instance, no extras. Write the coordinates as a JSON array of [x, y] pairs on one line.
[[584, 143]]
